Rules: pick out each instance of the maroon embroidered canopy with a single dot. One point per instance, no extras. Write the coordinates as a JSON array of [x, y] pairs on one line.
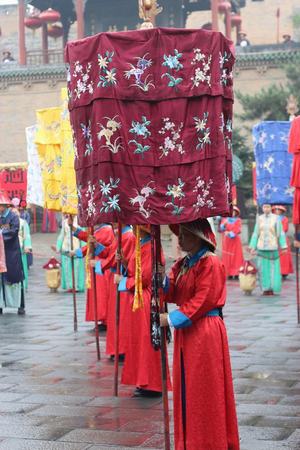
[[151, 112]]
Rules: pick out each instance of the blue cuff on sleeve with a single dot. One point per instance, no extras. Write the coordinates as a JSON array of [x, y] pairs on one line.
[[98, 268], [179, 320], [122, 285], [222, 227], [99, 249], [231, 234], [76, 232], [78, 253], [166, 284]]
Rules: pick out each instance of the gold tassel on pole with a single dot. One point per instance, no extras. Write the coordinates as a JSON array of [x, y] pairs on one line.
[[138, 301]]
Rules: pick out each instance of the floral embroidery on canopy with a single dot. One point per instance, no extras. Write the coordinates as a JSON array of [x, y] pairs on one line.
[[172, 137], [203, 131], [176, 193], [107, 77], [204, 198], [141, 199], [87, 134], [108, 131], [174, 65], [225, 73], [90, 193], [226, 130], [140, 131], [84, 83], [138, 71], [110, 202], [202, 72]]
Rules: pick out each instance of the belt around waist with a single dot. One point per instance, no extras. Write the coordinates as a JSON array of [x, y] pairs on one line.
[[217, 312]]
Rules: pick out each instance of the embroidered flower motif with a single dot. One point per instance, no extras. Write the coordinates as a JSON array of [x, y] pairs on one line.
[[175, 191], [225, 72], [202, 73], [83, 83], [107, 77], [141, 199], [172, 138], [203, 131], [140, 130], [87, 134], [204, 198], [109, 202], [174, 65], [107, 132], [91, 209], [137, 73], [226, 129]]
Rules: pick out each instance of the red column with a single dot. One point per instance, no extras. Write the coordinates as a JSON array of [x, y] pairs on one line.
[[22, 46], [80, 18], [228, 23], [214, 15], [45, 43]]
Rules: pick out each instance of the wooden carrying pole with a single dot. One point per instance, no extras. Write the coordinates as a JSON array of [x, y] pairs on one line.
[[73, 280], [163, 338], [94, 290], [117, 328], [297, 285]]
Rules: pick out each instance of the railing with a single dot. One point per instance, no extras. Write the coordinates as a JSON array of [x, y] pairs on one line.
[[37, 57]]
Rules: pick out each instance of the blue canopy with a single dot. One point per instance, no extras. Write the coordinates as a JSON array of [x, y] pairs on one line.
[[273, 163]]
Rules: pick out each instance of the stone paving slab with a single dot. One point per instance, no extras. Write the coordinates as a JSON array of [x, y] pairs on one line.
[[55, 395]]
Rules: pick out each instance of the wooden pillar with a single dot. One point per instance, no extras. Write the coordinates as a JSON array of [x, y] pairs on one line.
[[22, 45], [228, 23], [80, 18], [214, 15], [45, 44]]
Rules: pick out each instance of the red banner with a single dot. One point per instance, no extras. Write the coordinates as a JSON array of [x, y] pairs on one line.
[[13, 180]]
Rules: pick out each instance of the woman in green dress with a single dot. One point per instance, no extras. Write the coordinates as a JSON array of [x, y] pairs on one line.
[[63, 246], [268, 237]]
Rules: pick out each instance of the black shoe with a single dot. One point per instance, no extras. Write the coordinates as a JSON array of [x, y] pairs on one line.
[[102, 327], [140, 392], [230, 277], [121, 357], [236, 277], [21, 311], [1, 311]]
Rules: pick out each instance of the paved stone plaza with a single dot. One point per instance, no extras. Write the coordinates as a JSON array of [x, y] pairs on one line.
[[54, 395]]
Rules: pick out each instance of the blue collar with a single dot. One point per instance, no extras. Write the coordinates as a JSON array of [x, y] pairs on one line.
[[145, 240], [126, 229], [103, 225], [190, 261], [5, 214], [231, 219]]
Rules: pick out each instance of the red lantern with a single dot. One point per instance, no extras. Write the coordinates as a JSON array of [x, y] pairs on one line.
[[236, 20], [33, 22], [49, 16], [55, 31], [223, 6]]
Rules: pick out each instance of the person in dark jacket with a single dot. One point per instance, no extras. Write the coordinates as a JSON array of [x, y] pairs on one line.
[[11, 282]]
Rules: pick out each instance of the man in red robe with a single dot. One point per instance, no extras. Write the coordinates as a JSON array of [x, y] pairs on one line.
[[294, 148], [142, 366], [103, 237], [232, 250], [286, 261], [108, 262], [204, 406]]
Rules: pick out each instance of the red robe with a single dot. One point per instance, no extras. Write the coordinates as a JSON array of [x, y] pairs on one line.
[[232, 251], [128, 246], [286, 261], [294, 147], [142, 367], [201, 365], [104, 236]]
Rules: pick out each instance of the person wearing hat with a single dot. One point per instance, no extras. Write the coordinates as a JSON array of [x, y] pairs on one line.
[[286, 260], [287, 39], [268, 237], [232, 250], [11, 282], [142, 367], [242, 39], [204, 405]]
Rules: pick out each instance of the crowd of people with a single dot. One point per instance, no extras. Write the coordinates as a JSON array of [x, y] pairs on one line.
[[196, 284]]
